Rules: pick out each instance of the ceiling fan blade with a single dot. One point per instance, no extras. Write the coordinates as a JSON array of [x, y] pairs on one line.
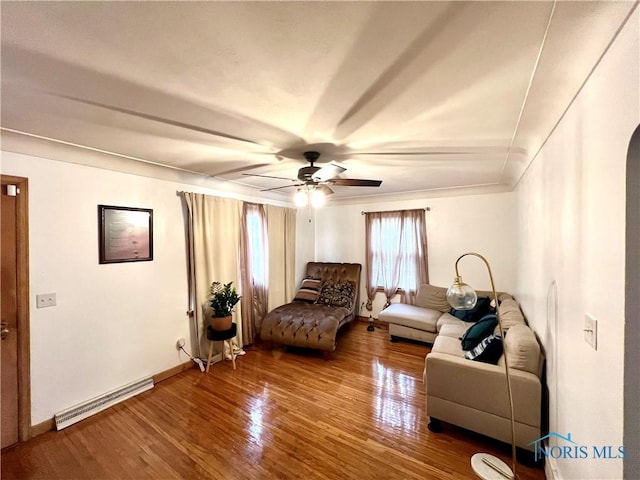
[[411, 148], [284, 186], [327, 172], [240, 169], [268, 176], [325, 189], [353, 182], [425, 153], [159, 119]]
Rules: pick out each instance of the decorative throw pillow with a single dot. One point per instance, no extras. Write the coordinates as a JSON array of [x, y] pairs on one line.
[[309, 291], [336, 294], [480, 310], [488, 350], [479, 331]]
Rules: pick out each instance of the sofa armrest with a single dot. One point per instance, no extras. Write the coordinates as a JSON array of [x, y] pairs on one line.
[[483, 386]]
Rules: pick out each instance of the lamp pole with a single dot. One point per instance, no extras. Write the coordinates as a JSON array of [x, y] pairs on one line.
[[458, 281]]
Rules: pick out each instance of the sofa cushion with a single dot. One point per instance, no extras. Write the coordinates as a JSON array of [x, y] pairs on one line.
[[309, 291], [478, 331], [435, 298], [489, 350], [454, 330], [510, 313], [448, 345], [522, 349], [504, 296], [448, 319], [411, 316]]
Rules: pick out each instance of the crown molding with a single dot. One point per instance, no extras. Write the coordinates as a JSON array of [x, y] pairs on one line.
[[52, 149]]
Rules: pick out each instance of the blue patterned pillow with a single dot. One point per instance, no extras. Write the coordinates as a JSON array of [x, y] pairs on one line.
[[488, 350]]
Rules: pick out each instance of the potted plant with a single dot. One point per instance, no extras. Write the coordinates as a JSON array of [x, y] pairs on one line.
[[223, 298]]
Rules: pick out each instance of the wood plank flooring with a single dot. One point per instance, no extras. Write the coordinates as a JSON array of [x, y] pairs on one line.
[[286, 414]]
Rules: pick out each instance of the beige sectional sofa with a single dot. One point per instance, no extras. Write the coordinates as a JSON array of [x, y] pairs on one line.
[[424, 320], [468, 393]]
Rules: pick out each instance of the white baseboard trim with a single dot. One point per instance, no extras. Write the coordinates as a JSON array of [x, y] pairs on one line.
[[551, 469]]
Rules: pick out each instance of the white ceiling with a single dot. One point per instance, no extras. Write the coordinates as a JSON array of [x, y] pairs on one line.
[[422, 95]]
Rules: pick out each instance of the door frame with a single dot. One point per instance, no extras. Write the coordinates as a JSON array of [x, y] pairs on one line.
[[631, 438], [24, 354]]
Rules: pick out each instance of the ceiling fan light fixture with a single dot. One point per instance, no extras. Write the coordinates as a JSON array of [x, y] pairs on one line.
[[314, 183], [300, 198], [317, 198]]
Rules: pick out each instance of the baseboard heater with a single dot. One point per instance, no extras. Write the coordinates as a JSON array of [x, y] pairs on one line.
[[91, 407]]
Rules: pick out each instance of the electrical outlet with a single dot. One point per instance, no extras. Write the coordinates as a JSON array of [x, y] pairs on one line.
[[591, 331], [46, 300], [179, 343]]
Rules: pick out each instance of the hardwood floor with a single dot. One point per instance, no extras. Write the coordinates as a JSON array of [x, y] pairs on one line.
[[282, 414]]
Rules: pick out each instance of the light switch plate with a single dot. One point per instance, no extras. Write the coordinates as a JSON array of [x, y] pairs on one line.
[[46, 300], [591, 331]]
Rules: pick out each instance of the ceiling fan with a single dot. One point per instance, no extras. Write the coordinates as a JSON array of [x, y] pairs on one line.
[[314, 178]]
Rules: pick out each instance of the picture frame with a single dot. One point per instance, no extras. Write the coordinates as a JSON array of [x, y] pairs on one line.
[[125, 234]]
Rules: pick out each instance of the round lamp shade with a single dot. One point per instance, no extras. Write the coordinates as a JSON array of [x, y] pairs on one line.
[[461, 296]]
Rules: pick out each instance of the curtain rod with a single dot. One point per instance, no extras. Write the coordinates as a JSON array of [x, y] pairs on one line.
[[426, 209]]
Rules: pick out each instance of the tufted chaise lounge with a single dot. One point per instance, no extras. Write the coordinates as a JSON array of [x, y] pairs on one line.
[[305, 325], [313, 325]]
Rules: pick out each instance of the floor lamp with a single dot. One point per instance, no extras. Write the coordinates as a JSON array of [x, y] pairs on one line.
[[462, 297]]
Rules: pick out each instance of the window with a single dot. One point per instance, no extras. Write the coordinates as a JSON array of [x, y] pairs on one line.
[[396, 253], [258, 248], [254, 270]]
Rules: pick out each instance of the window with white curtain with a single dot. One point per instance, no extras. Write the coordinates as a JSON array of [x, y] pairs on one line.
[[254, 267], [396, 253], [258, 247]]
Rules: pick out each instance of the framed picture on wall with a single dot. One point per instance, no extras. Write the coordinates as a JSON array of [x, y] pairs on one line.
[[125, 234]]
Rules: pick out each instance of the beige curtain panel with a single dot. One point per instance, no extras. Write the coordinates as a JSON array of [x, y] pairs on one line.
[[218, 245], [281, 229], [213, 230], [371, 272]]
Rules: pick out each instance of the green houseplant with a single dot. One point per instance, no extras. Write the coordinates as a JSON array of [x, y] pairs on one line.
[[222, 300]]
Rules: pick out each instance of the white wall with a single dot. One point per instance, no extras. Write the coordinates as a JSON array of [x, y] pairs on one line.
[[114, 323], [455, 225], [305, 241], [571, 226]]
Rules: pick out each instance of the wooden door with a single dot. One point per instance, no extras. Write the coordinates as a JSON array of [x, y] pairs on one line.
[[9, 309], [15, 380]]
